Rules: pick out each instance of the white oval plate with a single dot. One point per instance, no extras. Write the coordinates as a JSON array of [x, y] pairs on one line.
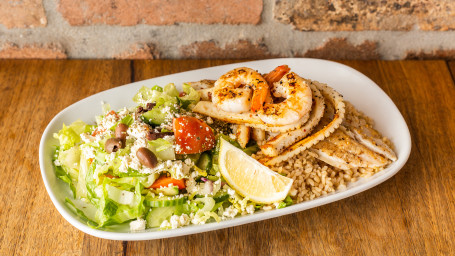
[[355, 87]]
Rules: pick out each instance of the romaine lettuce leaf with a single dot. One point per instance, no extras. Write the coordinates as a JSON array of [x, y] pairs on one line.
[[69, 136], [170, 90], [190, 94], [111, 212], [146, 95]]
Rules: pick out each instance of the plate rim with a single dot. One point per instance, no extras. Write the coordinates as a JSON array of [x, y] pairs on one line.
[[194, 229]]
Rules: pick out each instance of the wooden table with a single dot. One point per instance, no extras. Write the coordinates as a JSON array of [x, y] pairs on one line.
[[412, 213]]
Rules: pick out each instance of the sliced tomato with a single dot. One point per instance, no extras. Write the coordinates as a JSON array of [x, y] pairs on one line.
[[164, 181], [192, 135]]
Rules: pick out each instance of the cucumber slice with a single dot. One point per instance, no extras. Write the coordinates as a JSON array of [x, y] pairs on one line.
[[168, 191], [205, 162], [157, 215], [154, 116], [164, 201]]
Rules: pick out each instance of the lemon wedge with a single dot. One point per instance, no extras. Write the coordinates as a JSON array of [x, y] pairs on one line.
[[250, 178]]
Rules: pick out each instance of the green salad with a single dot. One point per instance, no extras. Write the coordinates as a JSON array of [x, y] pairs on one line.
[[154, 165]]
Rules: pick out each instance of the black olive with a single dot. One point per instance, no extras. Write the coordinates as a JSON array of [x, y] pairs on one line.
[[146, 157], [113, 144], [120, 132]]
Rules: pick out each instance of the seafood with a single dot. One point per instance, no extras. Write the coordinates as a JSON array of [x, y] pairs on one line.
[[272, 77], [278, 143], [336, 100], [239, 90], [292, 115], [276, 74], [296, 104]]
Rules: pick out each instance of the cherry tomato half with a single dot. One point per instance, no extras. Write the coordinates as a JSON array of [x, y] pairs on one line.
[[192, 135]]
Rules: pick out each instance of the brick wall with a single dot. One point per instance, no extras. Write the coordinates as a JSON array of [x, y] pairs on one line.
[[179, 29]]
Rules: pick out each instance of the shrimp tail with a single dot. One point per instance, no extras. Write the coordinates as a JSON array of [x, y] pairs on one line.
[[276, 74], [259, 97], [262, 95]]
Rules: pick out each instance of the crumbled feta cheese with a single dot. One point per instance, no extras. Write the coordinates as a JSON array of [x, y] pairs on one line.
[[87, 138], [108, 121], [166, 125], [179, 221], [243, 203], [178, 168], [135, 164], [232, 136], [137, 225], [250, 209], [100, 136], [88, 152], [170, 138], [165, 224], [124, 163], [267, 208], [203, 188], [189, 162], [230, 212], [110, 157], [191, 185], [209, 120], [137, 130], [198, 219], [230, 191], [123, 113], [57, 162]]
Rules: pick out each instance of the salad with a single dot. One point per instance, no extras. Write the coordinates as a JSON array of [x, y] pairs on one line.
[[160, 165]]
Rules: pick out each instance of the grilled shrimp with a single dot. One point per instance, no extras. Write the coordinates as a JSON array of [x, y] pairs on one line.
[[240, 90], [276, 74], [296, 104]]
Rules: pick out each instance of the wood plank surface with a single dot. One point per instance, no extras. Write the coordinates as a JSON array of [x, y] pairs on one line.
[[451, 65], [32, 93], [413, 213]]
